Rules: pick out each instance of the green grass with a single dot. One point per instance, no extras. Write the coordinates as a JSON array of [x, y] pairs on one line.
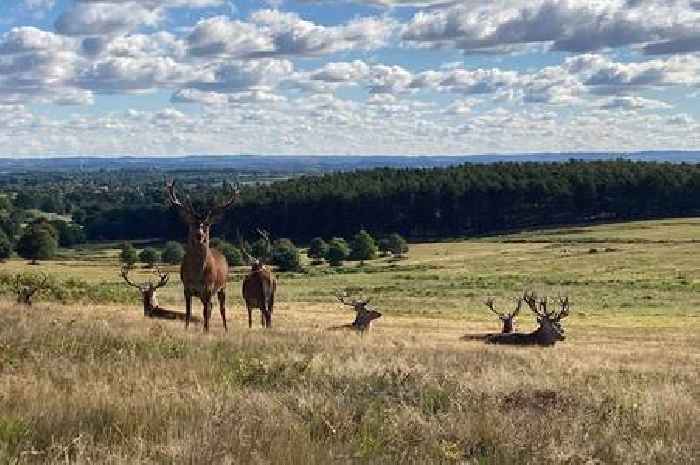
[[89, 380]]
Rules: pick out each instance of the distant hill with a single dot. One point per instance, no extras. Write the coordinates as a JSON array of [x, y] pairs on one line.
[[315, 164]]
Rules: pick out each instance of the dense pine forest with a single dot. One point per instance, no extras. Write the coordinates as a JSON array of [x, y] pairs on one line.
[[418, 203]]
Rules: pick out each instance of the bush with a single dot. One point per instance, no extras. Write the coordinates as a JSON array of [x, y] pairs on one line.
[[338, 251], [363, 246], [233, 254], [149, 256], [318, 248], [397, 245], [5, 246], [37, 243], [172, 253], [128, 254], [68, 234], [285, 255], [261, 250]]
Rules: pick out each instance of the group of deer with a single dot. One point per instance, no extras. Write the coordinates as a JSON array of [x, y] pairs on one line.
[[204, 269]]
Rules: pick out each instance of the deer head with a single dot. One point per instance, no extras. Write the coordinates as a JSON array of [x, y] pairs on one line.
[[550, 328], [147, 289], [200, 223], [365, 312], [508, 319], [25, 291]]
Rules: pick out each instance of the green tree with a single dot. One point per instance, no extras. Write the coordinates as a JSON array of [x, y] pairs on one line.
[[37, 243], [285, 255], [5, 246], [68, 234], [318, 249], [397, 245], [172, 253], [149, 256], [128, 254], [233, 255], [262, 250], [363, 246], [338, 251]]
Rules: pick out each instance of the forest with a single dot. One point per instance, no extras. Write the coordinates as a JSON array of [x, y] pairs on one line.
[[421, 204]]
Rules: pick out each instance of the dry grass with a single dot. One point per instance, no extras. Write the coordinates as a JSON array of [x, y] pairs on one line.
[[99, 384]]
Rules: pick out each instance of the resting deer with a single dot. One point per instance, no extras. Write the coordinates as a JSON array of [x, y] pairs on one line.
[[25, 292], [259, 287], [549, 331], [508, 319], [204, 270], [151, 309], [365, 313]]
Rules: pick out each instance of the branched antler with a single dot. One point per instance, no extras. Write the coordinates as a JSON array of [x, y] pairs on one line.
[[218, 209], [25, 292]]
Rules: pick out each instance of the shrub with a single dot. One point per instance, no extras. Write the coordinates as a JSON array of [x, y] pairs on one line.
[[233, 254], [149, 256], [37, 243], [318, 248], [285, 255], [397, 245], [363, 246], [5, 246], [172, 253], [338, 251], [128, 254], [261, 250]]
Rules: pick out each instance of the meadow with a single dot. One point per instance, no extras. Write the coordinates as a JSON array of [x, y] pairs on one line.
[[87, 379]]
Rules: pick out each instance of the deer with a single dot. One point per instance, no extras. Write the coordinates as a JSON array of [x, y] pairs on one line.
[[549, 331], [203, 270], [365, 313], [508, 319], [25, 292], [151, 309], [259, 287]]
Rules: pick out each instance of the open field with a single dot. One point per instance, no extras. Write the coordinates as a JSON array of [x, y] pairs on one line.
[[86, 382]]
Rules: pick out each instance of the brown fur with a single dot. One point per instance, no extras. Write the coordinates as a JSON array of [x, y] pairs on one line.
[[259, 288]]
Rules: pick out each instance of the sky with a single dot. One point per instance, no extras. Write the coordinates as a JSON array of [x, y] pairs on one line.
[[362, 77]]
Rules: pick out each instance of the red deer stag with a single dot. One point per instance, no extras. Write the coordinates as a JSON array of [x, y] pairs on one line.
[[259, 287], [25, 291], [549, 331], [151, 309], [508, 319], [204, 270], [365, 313]]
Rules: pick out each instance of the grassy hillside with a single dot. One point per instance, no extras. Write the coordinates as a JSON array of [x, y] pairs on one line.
[[82, 382]]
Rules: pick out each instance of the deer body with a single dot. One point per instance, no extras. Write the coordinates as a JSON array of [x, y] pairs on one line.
[[364, 313], [259, 288], [204, 270]]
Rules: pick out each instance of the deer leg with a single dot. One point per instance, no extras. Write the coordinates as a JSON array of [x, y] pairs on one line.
[[270, 306], [250, 315], [222, 306], [188, 308], [206, 303]]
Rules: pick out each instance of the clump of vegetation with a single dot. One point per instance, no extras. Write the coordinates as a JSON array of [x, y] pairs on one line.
[[172, 253], [318, 249], [393, 244], [39, 242], [5, 246], [338, 251], [233, 254], [149, 256], [363, 246], [285, 255], [128, 254]]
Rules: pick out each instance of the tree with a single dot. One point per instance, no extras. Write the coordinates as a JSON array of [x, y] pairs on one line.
[[149, 256], [397, 245], [233, 255], [5, 246], [285, 255], [37, 243], [68, 234], [338, 251], [262, 250], [172, 253], [363, 246], [128, 254], [318, 249]]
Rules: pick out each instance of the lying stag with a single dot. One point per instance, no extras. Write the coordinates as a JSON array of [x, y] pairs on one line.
[[365, 313], [26, 291], [549, 331], [204, 270], [508, 319], [151, 309], [259, 287]]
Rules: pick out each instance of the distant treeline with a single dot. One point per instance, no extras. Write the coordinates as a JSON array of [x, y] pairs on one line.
[[427, 203]]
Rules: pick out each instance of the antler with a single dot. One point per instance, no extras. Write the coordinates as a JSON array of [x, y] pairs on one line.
[[31, 290], [125, 274], [535, 305], [563, 308], [218, 209], [163, 279], [489, 303], [341, 296], [185, 209]]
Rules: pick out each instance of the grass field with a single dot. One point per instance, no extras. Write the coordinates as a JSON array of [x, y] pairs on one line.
[[86, 382]]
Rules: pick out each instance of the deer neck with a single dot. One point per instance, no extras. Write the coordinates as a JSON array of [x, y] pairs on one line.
[[200, 252]]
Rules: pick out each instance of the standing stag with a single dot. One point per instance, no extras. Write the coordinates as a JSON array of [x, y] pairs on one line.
[[365, 313], [259, 287], [25, 291], [508, 319], [549, 331], [204, 270]]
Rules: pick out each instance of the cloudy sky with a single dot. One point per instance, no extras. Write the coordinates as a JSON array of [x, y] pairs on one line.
[[171, 77]]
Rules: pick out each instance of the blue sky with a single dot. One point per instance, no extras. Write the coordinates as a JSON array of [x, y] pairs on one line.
[[172, 77]]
